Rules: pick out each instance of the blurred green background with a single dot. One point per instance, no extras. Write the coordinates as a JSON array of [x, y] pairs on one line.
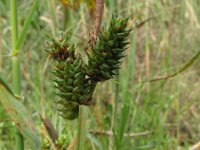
[[129, 114]]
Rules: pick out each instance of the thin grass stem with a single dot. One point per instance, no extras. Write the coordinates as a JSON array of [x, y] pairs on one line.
[[81, 128], [16, 66]]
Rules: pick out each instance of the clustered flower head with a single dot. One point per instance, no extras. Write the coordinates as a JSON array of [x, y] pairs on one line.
[[104, 62], [75, 80]]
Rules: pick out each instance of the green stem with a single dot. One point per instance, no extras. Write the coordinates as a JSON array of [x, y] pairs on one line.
[[13, 9], [81, 128], [52, 6], [116, 99], [113, 6], [116, 105], [1, 51], [16, 66], [26, 26], [66, 18]]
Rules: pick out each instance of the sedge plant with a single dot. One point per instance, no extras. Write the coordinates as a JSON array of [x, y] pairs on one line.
[[76, 80]]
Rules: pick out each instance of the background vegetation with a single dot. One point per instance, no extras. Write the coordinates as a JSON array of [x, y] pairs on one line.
[[129, 113]]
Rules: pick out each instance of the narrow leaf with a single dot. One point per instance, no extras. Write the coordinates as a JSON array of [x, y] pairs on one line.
[[4, 83], [24, 31], [19, 115], [183, 68]]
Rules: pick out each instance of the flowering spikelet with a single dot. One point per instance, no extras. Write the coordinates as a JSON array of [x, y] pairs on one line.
[[74, 88], [104, 61]]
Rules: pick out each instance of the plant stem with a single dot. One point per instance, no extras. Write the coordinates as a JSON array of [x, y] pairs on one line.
[[1, 52], [66, 18], [147, 51], [52, 7], [15, 66], [23, 33], [81, 128], [13, 9]]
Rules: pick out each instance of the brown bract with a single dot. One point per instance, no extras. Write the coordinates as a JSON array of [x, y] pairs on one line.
[[62, 54]]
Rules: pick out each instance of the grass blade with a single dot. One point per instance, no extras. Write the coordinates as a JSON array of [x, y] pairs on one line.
[[26, 25], [19, 114], [183, 68]]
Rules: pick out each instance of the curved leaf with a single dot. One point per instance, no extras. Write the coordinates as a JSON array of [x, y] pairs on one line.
[[19, 114]]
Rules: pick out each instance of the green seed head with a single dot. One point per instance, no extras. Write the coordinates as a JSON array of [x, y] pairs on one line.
[[75, 81], [104, 61]]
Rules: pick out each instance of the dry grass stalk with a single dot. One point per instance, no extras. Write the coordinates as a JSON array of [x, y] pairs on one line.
[[195, 146], [110, 133], [99, 7], [50, 129]]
